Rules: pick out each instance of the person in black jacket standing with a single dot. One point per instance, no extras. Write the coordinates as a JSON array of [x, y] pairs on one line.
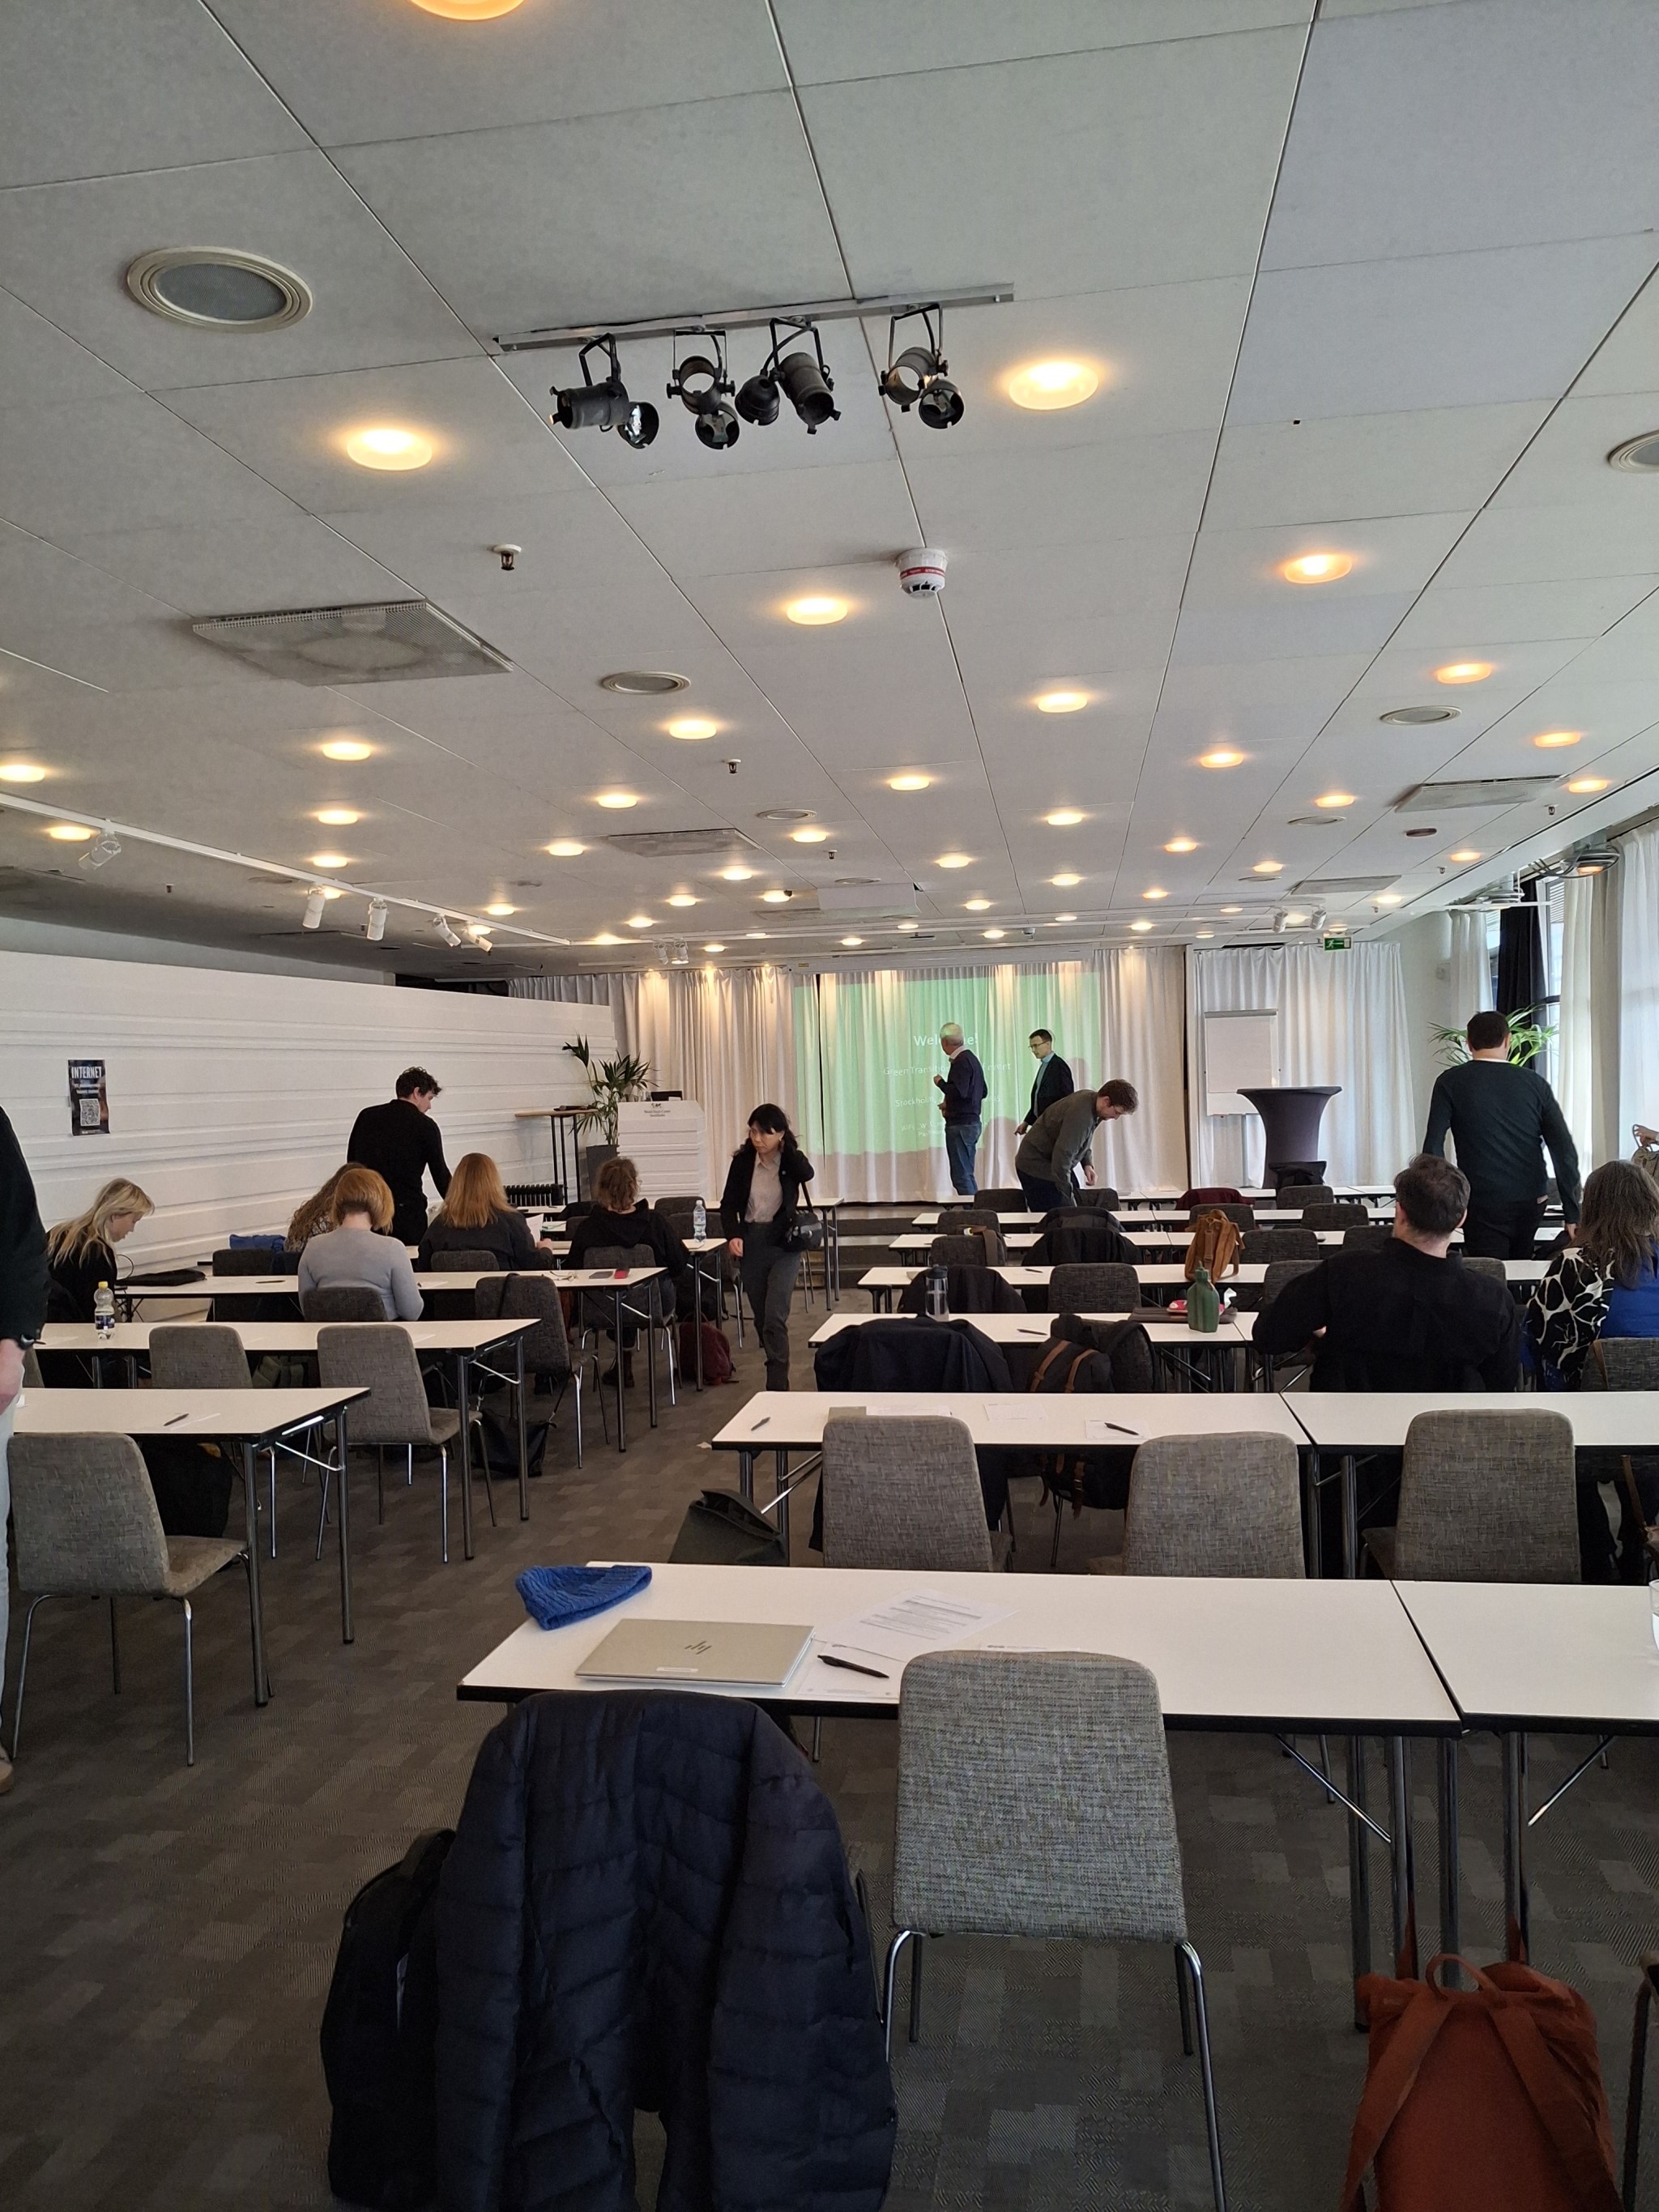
[[758, 1208], [401, 1142], [1054, 1079], [22, 1311], [1501, 1118]]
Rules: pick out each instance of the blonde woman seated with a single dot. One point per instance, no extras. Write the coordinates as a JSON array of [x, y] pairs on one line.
[[353, 1256], [314, 1216], [474, 1217], [81, 1254]]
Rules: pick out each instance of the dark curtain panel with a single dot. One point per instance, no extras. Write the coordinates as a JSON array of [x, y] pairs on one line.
[[1520, 954]]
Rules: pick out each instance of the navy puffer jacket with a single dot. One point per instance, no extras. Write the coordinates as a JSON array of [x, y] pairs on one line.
[[647, 1904]]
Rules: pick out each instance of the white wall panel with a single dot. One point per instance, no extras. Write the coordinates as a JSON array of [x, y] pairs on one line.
[[232, 1094]]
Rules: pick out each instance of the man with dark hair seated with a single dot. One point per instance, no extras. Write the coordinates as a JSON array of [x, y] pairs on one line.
[[1409, 1316]]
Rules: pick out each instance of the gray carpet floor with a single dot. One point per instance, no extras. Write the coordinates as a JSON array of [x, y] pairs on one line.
[[166, 1933]]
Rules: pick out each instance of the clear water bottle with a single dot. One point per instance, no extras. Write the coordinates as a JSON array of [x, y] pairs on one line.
[[103, 1309], [699, 1220], [936, 1291]]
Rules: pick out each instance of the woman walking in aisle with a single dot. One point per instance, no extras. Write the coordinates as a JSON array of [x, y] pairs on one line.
[[759, 1208]]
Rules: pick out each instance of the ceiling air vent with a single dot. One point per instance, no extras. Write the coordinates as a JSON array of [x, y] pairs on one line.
[[1338, 891], [397, 641], [1478, 791], [685, 844]]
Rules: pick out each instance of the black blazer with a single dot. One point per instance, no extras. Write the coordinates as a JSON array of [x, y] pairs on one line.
[[1054, 1082], [794, 1173]]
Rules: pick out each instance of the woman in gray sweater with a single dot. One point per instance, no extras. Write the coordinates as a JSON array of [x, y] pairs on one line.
[[354, 1256]]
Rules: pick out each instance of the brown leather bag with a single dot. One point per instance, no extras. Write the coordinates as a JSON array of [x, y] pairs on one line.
[[1214, 1245], [1487, 2099]]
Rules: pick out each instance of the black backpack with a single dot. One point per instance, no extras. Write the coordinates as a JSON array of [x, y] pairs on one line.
[[379, 2036]]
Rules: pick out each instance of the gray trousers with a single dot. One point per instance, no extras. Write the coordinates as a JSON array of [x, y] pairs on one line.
[[768, 1271]]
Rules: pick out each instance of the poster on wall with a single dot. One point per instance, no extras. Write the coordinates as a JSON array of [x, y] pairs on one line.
[[88, 1099]]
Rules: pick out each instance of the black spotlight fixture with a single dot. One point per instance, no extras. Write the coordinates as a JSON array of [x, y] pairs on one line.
[[603, 405], [757, 398], [916, 378], [703, 386], [803, 377]]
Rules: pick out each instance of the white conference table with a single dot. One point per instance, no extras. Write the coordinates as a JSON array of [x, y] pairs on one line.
[[256, 1420], [1153, 1217], [1170, 1339], [1152, 1274], [461, 1342]]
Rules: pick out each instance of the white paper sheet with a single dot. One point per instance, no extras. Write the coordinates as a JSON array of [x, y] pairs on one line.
[[889, 1636]]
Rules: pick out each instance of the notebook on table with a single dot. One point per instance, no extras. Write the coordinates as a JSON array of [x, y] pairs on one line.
[[728, 1654]]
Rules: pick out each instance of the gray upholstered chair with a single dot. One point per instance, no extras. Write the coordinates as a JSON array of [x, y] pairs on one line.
[[342, 1302], [1238, 1211], [1261, 1247], [1099, 1195], [1094, 1286], [956, 1252], [1002, 1201], [1214, 1505], [1294, 1197], [87, 1526], [1256, 1298], [186, 1355], [902, 1490], [1367, 1237], [464, 1259], [1479, 1264], [380, 1357], [1484, 1497], [1622, 1363], [1033, 1800], [1335, 1213], [548, 1358], [976, 1217]]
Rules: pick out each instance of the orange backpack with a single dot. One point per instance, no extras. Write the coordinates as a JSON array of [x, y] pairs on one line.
[[1214, 1246]]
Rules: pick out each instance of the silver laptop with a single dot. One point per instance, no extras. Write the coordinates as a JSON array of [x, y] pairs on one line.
[[728, 1655]]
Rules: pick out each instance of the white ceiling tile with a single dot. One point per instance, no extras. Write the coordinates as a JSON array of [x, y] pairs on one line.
[[43, 587], [42, 367], [1044, 650], [1565, 463], [96, 87], [1538, 545], [1625, 358], [774, 519], [1226, 633], [997, 590], [287, 560], [868, 38], [1450, 329], [1390, 554], [1434, 130], [118, 464], [398, 72], [1125, 488], [1147, 165], [476, 211], [64, 248], [1312, 686], [1447, 616], [1366, 464]]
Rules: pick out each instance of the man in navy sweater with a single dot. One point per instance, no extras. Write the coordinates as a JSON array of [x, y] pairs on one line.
[[1502, 1118], [961, 1104]]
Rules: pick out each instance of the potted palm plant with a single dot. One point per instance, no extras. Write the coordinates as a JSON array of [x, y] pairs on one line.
[[610, 1082], [1526, 1040]]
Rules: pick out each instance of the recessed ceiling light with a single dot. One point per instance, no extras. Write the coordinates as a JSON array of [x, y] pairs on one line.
[[813, 611], [994, 933], [1231, 909], [909, 925], [1155, 892], [737, 873], [714, 948], [604, 936], [1222, 756], [1588, 783], [216, 290], [1140, 927], [1295, 918], [1044, 385], [1268, 868], [337, 817], [675, 898], [469, 11], [1063, 817], [501, 910], [330, 860], [566, 848], [329, 891], [345, 749], [977, 905], [1064, 882], [911, 782], [1059, 703], [1334, 799], [1182, 845], [1554, 740], [1389, 898], [1463, 857], [641, 921], [1463, 671], [1315, 567], [644, 683], [852, 940], [809, 836], [383, 446], [71, 832], [1202, 933], [616, 799], [692, 726], [19, 771], [1639, 453], [954, 859], [775, 898], [754, 933], [1426, 830]]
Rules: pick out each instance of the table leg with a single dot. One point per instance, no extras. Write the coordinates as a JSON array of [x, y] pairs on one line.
[[1400, 1840], [1349, 1516], [347, 1631], [1450, 1917], [696, 1308], [524, 1436], [1312, 1545], [781, 1462], [746, 1477], [1359, 1870], [461, 1385], [1516, 1911], [255, 1604], [622, 1411]]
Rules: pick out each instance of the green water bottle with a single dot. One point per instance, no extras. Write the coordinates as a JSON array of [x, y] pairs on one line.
[[1203, 1303]]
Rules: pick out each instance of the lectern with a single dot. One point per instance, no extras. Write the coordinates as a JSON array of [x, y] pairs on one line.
[[1289, 1116]]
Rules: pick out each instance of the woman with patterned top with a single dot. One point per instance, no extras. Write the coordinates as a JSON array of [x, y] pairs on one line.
[[1606, 1283]]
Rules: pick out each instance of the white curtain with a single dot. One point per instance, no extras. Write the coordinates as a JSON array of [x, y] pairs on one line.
[[1577, 1013], [564, 990], [877, 1133], [1342, 1019], [726, 1036], [1638, 982], [1469, 986], [1607, 1141]]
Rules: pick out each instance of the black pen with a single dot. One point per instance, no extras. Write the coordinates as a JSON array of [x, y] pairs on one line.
[[851, 1666], [761, 1423], [1121, 1431], [174, 1422]]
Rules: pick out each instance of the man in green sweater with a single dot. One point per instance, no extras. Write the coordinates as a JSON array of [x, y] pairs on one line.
[[1502, 1118]]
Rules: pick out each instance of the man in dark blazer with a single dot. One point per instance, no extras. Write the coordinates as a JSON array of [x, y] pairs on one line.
[[1054, 1078]]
